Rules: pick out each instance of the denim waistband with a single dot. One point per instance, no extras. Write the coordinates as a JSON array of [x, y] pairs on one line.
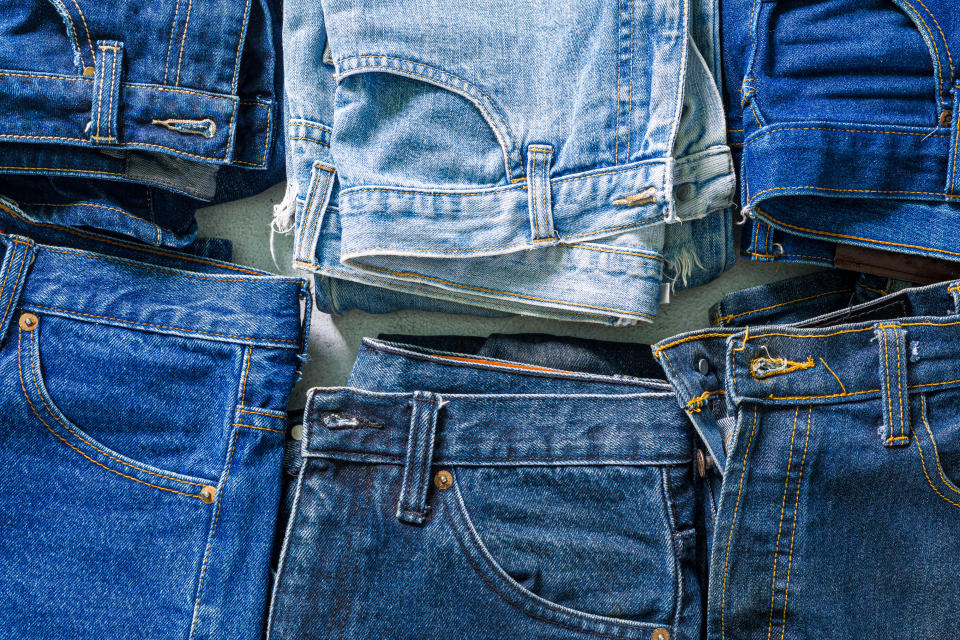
[[190, 296], [880, 351], [489, 411]]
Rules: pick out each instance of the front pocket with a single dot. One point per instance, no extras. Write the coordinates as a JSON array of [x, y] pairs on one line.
[[586, 548], [938, 461], [49, 415]]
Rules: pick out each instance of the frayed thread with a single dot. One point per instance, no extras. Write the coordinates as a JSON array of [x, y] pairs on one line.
[[683, 265], [284, 217], [768, 367]]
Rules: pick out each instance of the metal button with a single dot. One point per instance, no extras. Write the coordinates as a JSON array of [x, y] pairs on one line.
[[296, 433], [946, 118], [704, 463], [684, 192], [88, 72], [703, 366], [443, 480], [28, 321], [208, 494], [661, 634]]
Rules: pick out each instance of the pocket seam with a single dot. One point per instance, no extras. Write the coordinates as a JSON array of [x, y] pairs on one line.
[[34, 365], [526, 601], [936, 457]]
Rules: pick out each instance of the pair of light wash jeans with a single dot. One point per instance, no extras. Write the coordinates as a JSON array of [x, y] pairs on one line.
[[561, 159], [749, 481], [142, 421]]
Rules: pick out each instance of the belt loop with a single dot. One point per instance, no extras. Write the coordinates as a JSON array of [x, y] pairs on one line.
[[539, 202], [108, 72], [18, 255], [412, 507], [307, 298], [309, 220], [954, 290], [895, 394], [953, 172]]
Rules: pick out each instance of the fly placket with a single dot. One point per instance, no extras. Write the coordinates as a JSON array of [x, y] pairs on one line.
[[893, 383], [424, 410], [18, 255]]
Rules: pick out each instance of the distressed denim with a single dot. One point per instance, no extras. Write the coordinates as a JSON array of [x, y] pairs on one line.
[[847, 113], [568, 162], [141, 435], [457, 495], [836, 440], [126, 117]]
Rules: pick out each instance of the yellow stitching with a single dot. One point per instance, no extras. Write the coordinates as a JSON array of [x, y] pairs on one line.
[[945, 44], [832, 395], [871, 289], [113, 79], [956, 143], [842, 388], [760, 367], [26, 395], [57, 169], [899, 384], [533, 193], [23, 260], [782, 304], [266, 141], [303, 123], [696, 404], [616, 100], [736, 507], [886, 388], [561, 243], [183, 41], [160, 326], [45, 76], [7, 274], [236, 57], [755, 116], [250, 426], [783, 504], [936, 453], [100, 94], [629, 84], [87, 29], [796, 516], [263, 413], [878, 131], [896, 439], [935, 47], [73, 28], [410, 274], [132, 143], [831, 189], [923, 465], [657, 351], [243, 391]]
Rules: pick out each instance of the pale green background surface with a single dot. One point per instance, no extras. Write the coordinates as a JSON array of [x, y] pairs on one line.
[[334, 341]]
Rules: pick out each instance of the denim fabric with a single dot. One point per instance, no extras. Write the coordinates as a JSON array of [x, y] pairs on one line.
[[848, 112], [126, 117], [568, 162], [452, 495], [837, 439], [141, 434]]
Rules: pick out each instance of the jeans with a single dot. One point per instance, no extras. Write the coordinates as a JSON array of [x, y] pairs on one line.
[[526, 165], [141, 436]]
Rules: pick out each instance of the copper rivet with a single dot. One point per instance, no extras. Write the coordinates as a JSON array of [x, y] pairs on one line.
[[443, 480], [946, 118], [661, 634], [701, 464], [88, 72], [207, 494], [28, 321]]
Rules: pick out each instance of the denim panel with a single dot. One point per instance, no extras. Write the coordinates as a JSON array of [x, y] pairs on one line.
[[535, 531], [143, 421], [812, 476], [120, 94], [835, 150], [522, 198]]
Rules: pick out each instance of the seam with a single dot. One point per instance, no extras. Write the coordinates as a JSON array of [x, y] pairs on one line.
[[956, 143], [26, 396], [113, 89], [533, 194], [630, 83], [783, 504], [945, 43], [923, 465], [529, 243], [782, 304], [696, 404], [326, 144], [312, 125], [61, 170], [131, 143], [936, 453], [869, 240], [240, 40], [835, 190], [86, 29], [263, 413], [99, 92], [657, 351], [23, 259], [173, 26], [733, 522], [183, 41], [266, 141], [243, 391], [886, 389], [616, 101], [411, 274], [71, 27], [842, 388], [899, 382], [936, 49], [160, 326], [250, 426], [796, 514], [839, 129]]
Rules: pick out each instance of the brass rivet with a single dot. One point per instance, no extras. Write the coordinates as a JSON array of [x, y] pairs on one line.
[[946, 118], [443, 480], [28, 321], [661, 634], [88, 72], [701, 464], [208, 494]]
